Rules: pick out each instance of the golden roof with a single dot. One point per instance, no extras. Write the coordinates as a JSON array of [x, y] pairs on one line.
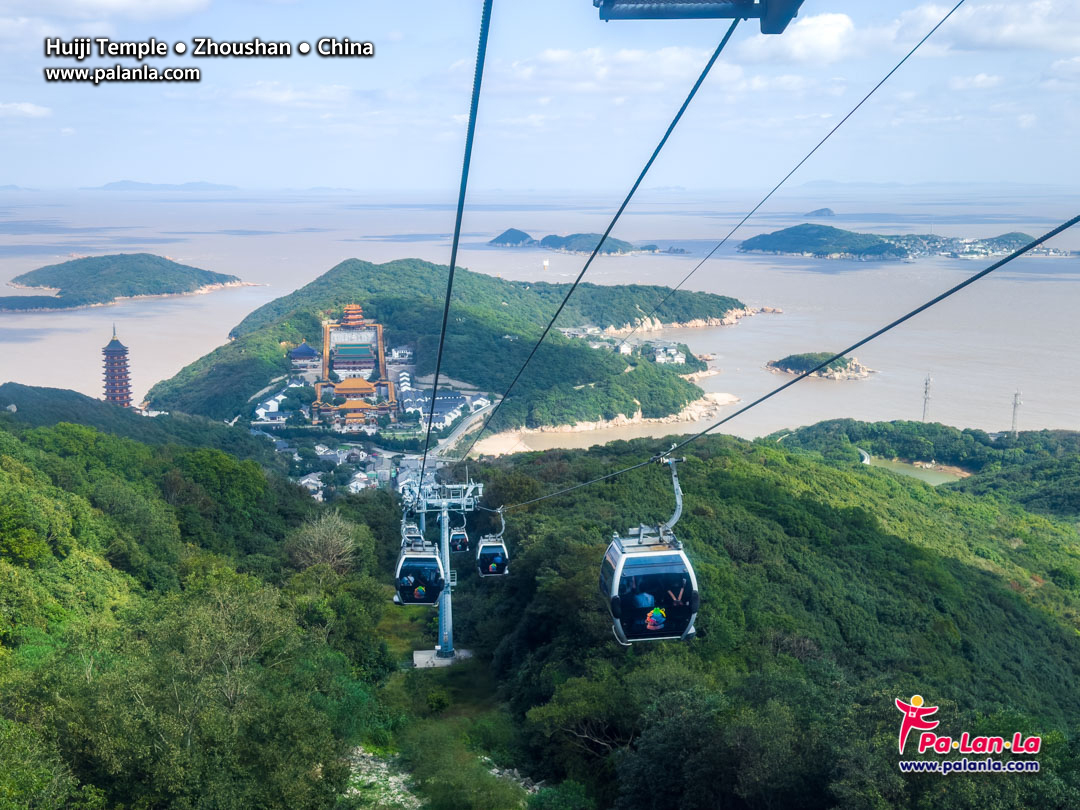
[[353, 386]]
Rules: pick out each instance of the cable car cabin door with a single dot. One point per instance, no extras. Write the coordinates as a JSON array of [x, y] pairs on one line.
[[492, 560], [419, 580], [656, 597]]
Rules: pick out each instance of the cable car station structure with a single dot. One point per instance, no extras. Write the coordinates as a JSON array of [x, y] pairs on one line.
[[774, 14]]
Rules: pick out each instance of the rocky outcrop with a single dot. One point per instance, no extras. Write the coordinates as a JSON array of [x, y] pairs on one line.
[[380, 783], [731, 317], [853, 371]]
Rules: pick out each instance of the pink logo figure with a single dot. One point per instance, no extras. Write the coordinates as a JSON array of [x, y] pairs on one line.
[[915, 715]]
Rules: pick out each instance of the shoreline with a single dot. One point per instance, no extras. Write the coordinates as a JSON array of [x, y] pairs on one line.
[[204, 290], [694, 376], [731, 318], [513, 441]]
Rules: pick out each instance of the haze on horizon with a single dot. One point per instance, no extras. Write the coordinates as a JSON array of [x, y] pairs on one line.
[[570, 103]]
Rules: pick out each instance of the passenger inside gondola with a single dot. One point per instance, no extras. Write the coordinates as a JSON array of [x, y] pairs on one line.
[[420, 581], [655, 596], [459, 541], [492, 561]]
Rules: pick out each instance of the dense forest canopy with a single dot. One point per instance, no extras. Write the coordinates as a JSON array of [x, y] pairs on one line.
[[103, 279], [493, 326], [131, 571], [1038, 469]]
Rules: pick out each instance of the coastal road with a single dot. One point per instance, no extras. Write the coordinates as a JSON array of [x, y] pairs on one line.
[[450, 441]]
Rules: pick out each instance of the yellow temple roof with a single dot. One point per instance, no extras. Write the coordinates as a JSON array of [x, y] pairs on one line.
[[354, 386]]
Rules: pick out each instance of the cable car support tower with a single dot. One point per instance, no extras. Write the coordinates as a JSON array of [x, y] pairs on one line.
[[440, 500]]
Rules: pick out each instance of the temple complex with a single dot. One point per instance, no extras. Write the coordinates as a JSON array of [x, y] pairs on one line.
[[117, 373], [353, 390]]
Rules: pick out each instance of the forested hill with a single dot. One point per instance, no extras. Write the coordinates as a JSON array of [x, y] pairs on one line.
[[139, 667], [131, 572], [103, 279], [1038, 469], [826, 594], [493, 325], [44, 407]]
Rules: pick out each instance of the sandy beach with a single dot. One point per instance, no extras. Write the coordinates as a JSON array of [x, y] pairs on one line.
[[516, 441]]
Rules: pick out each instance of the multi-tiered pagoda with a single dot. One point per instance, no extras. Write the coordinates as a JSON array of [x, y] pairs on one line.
[[117, 374]]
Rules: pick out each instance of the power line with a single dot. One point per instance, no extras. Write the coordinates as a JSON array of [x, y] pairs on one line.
[[478, 78], [798, 166], [932, 302], [610, 227]]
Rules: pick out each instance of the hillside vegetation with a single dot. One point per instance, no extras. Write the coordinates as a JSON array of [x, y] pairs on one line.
[[159, 646], [169, 639], [103, 279], [826, 594], [43, 407], [493, 325], [1038, 469]]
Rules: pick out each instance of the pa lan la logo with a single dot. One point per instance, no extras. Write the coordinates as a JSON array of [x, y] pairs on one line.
[[916, 717]]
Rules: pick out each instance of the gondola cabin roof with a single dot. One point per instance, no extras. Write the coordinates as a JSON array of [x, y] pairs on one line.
[[775, 15]]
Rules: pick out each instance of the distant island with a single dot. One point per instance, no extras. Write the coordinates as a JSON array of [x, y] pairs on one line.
[[574, 243], [826, 242], [822, 212], [844, 368], [97, 280], [132, 185]]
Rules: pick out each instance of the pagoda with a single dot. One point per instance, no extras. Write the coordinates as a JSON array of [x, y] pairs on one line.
[[354, 316], [117, 375]]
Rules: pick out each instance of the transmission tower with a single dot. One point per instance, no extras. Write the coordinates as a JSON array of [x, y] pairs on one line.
[[926, 397], [1017, 402]]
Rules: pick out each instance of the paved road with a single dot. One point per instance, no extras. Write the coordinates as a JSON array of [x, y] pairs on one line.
[[451, 440]]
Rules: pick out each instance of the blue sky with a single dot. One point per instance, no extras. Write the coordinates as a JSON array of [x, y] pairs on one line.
[[571, 103]]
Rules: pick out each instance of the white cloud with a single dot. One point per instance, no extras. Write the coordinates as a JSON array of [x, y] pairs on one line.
[[628, 72], [1033, 25], [1027, 121], [23, 109], [980, 81], [821, 40], [291, 95], [67, 131], [1064, 73]]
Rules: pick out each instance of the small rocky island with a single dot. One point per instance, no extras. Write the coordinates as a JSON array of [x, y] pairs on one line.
[[844, 368]]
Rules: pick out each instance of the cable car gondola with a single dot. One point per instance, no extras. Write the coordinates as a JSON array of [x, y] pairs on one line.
[[492, 557], [419, 576], [648, 583], [459, 538], [775, 15]]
